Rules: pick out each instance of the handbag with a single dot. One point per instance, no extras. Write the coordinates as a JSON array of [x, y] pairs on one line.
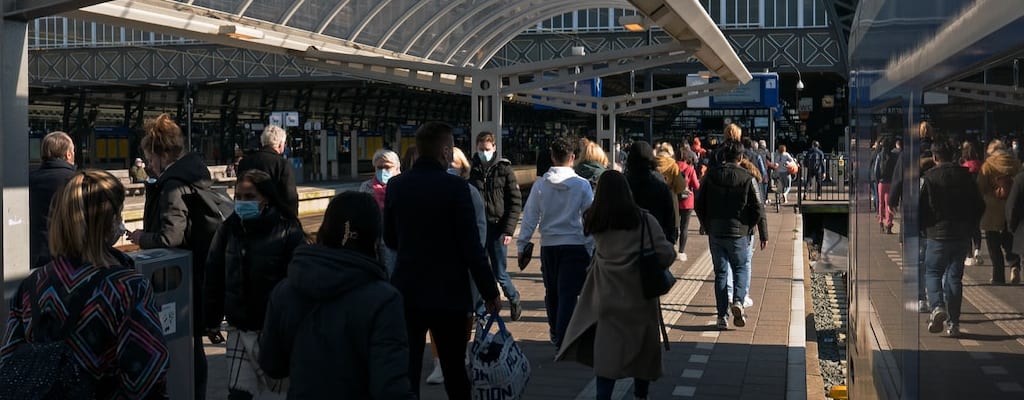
[[655, 279], [498, 368]]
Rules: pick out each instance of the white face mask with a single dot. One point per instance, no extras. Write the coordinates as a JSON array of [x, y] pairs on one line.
[[486, 155]]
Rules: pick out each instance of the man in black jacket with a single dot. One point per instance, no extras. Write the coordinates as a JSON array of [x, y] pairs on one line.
[[503, 202], [58, 154], [728, 206], [650, 190], [947, 222], [270, 160], [430, 220]]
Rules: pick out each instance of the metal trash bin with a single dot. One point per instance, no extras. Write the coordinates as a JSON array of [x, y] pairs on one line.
[[170, 272]]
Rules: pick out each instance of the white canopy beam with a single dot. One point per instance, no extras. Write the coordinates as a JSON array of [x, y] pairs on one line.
[[25, 10], [984, 92]]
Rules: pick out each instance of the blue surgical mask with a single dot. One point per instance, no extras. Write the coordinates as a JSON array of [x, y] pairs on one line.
[[487, 155], [383, 176], [247, 210]]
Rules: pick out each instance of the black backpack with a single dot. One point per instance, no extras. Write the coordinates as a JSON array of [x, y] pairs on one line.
[[207, 210], [45, 367]]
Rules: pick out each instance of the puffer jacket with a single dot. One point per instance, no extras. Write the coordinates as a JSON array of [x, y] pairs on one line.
[[247, 259], [496, 181], [728, 203], [336, 327], [999, 164], [946, 217]]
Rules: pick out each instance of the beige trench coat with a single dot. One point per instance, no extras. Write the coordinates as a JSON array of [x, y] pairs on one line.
[[614, 329]]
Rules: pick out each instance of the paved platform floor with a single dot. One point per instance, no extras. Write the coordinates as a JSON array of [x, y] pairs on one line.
[[756, 361]]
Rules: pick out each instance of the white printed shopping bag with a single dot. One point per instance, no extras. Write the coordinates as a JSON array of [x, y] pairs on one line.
[[498, 368]]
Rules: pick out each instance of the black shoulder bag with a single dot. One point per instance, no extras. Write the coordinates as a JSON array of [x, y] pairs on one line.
[[655, 279]]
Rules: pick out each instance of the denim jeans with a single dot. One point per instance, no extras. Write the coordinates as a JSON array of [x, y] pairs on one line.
[[921, 268], [944, 260], [605, 387], [498, 254], [731, 257], [564, 269]]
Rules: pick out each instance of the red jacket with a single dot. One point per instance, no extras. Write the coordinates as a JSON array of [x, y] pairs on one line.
[[692, 183]]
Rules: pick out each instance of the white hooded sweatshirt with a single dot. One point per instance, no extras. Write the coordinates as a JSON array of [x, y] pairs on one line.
[[557, 202]]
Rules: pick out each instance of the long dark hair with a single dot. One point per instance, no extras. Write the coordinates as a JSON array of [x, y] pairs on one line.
[[613, 207], [352, 221], [268, 189]]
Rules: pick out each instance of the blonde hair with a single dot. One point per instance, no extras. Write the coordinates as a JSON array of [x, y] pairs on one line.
[[994, 146], [163, 137], [273, 135], [733, 132], [461, 162], [666, 147], [55, 146], [593, 152], [83, 215]]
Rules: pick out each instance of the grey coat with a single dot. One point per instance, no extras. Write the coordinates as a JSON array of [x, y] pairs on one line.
[[612, 314]]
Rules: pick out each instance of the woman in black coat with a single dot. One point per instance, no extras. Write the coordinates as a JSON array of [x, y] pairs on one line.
[[248, 257], [650, 190], [335, 325]]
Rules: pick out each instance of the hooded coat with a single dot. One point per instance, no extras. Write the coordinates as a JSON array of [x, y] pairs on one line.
[[336, 328], [556, 204], [612, 313], [729, 203]]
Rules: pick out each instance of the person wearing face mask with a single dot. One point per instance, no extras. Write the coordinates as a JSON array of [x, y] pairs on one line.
[[503, 202], [386, 165], [248, 257]]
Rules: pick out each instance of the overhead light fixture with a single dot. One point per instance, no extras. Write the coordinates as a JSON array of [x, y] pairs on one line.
[[633, 23], [239, 32], [799, 84]]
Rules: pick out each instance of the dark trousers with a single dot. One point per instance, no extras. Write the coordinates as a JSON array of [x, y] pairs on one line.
[[564, 269], [1000, 245], [605, 387], [449, 333], [684, 228], [816, 178], [201, 367]]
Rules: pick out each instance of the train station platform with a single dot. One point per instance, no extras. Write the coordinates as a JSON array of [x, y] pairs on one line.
[[764, 360]]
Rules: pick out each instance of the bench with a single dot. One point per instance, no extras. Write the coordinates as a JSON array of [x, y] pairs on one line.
[[130, 188], [219, 174]]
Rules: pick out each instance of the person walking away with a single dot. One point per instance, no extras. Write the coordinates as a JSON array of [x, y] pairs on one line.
[[335, 327], [887, 160], [760, 163], [948, 223], [556, 205], [649, 189], [270, 159], [783, 160], [248, 257], [971, 158], [166, 222], [429, 220], [612, 311], [677, 183], [58, 154], [729, 207], [592, 163], [814, 165], [496, 182], [687, 169], [94, 296], [385, 166], [995, 181]]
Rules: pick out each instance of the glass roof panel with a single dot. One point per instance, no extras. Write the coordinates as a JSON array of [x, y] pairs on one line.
[[310, 15], [386, 18], [269, 10]]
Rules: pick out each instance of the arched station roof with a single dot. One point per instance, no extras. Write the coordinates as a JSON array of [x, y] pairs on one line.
[[459, 33]]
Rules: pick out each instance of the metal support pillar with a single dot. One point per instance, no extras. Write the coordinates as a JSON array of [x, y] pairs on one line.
[[14, 166], [354, 151], [486, 109], [771, 130], [606, 134]]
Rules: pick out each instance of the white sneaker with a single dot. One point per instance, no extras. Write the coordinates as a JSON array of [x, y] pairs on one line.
[[436, 377], [748, 302], [681, 257], [969, 261]]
